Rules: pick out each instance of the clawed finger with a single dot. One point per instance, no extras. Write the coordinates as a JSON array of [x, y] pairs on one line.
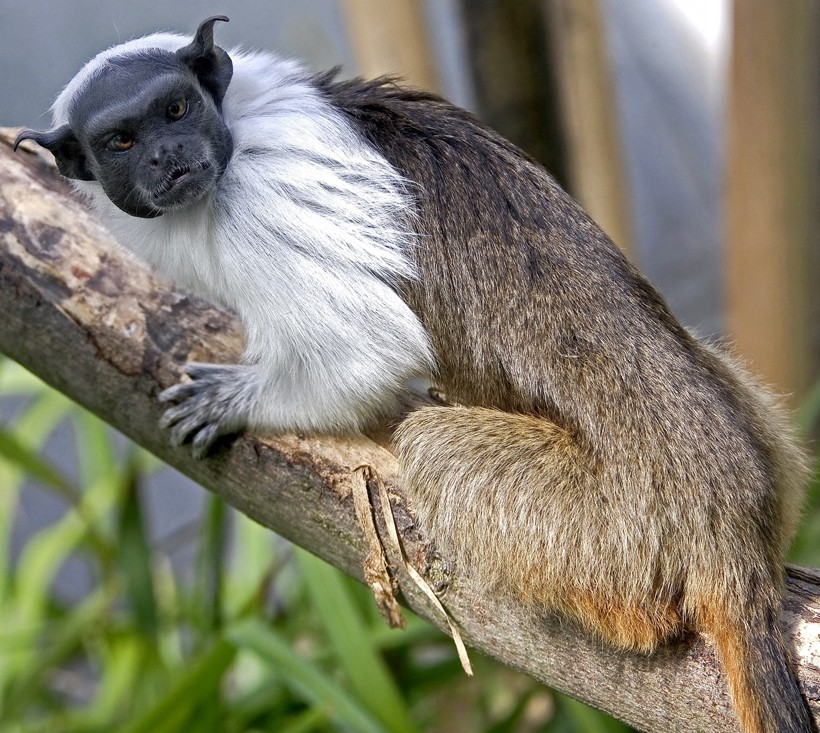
[[204, 439], [185, 428], [179, 392], [174, 414], [198, 370]]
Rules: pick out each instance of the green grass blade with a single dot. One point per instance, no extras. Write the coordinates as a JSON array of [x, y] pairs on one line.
[[27, 460], [9, 502], [94, 447], [352, 643], [39, 562], [134, 557], [56, 641], [808, 414], [200, 683], [211, 562], [46, 551], [253, 560], [304, 678], [121, 659], [305, 722], [805, 549], [17, 381], [39, 419]]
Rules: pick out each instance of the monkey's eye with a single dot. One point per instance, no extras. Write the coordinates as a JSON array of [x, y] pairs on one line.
[[120, 142], [176, 110]]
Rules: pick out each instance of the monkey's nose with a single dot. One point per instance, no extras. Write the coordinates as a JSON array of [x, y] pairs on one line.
[[160, 154]]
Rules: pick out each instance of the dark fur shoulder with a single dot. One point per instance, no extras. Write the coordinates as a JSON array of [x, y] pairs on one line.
[[498, 227], [384, 107]]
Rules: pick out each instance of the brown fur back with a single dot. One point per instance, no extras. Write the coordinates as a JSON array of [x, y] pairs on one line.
[[603, 462]]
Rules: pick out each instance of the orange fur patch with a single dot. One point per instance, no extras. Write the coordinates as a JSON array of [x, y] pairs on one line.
[[628, 626]]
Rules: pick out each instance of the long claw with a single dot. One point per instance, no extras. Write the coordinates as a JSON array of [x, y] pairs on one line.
[[198, 370], [185, 428], [204, 439], [174, 414], [179, 392]]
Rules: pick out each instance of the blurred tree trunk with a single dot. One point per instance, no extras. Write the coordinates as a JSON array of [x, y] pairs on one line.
[[594, 148], [541, 71], [773, 190], [390, 37], [541, 78], [511, 66]]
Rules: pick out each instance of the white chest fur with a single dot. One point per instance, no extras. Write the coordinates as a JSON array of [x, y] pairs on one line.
[[304, 238]]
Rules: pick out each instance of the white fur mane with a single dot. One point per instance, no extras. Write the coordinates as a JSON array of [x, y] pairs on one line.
[[304, 238]]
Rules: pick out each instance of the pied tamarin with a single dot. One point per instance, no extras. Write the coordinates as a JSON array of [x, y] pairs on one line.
[[599, 462]]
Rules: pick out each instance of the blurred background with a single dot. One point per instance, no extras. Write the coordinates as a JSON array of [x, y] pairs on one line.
[[131, 600]]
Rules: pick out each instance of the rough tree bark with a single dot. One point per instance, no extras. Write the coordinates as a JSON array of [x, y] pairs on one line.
[[104, 331]]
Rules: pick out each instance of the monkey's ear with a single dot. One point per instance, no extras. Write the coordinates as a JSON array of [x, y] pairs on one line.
[[68, 152], [210, 63]]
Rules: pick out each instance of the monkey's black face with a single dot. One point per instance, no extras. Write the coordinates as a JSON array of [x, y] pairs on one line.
[[148, 126], [151, 137]]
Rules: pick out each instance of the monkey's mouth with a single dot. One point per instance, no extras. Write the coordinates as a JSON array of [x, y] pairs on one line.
[[182, 183]]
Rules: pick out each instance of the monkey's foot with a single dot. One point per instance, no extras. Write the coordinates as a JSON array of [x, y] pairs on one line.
[[213, 403]]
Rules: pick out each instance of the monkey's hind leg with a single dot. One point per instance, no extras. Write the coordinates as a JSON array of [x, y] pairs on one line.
[[522, 510], [514, 502]]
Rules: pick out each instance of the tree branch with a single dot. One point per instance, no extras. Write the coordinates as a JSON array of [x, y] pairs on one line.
[[104, 331]]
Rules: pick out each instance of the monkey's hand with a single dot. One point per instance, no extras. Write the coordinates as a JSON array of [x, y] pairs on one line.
[[215, 402]]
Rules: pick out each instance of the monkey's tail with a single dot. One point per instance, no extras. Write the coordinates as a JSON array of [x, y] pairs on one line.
[[761, 682]]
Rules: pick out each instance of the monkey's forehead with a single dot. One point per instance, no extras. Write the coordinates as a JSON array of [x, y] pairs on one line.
[[169, 42], [129, 84]]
